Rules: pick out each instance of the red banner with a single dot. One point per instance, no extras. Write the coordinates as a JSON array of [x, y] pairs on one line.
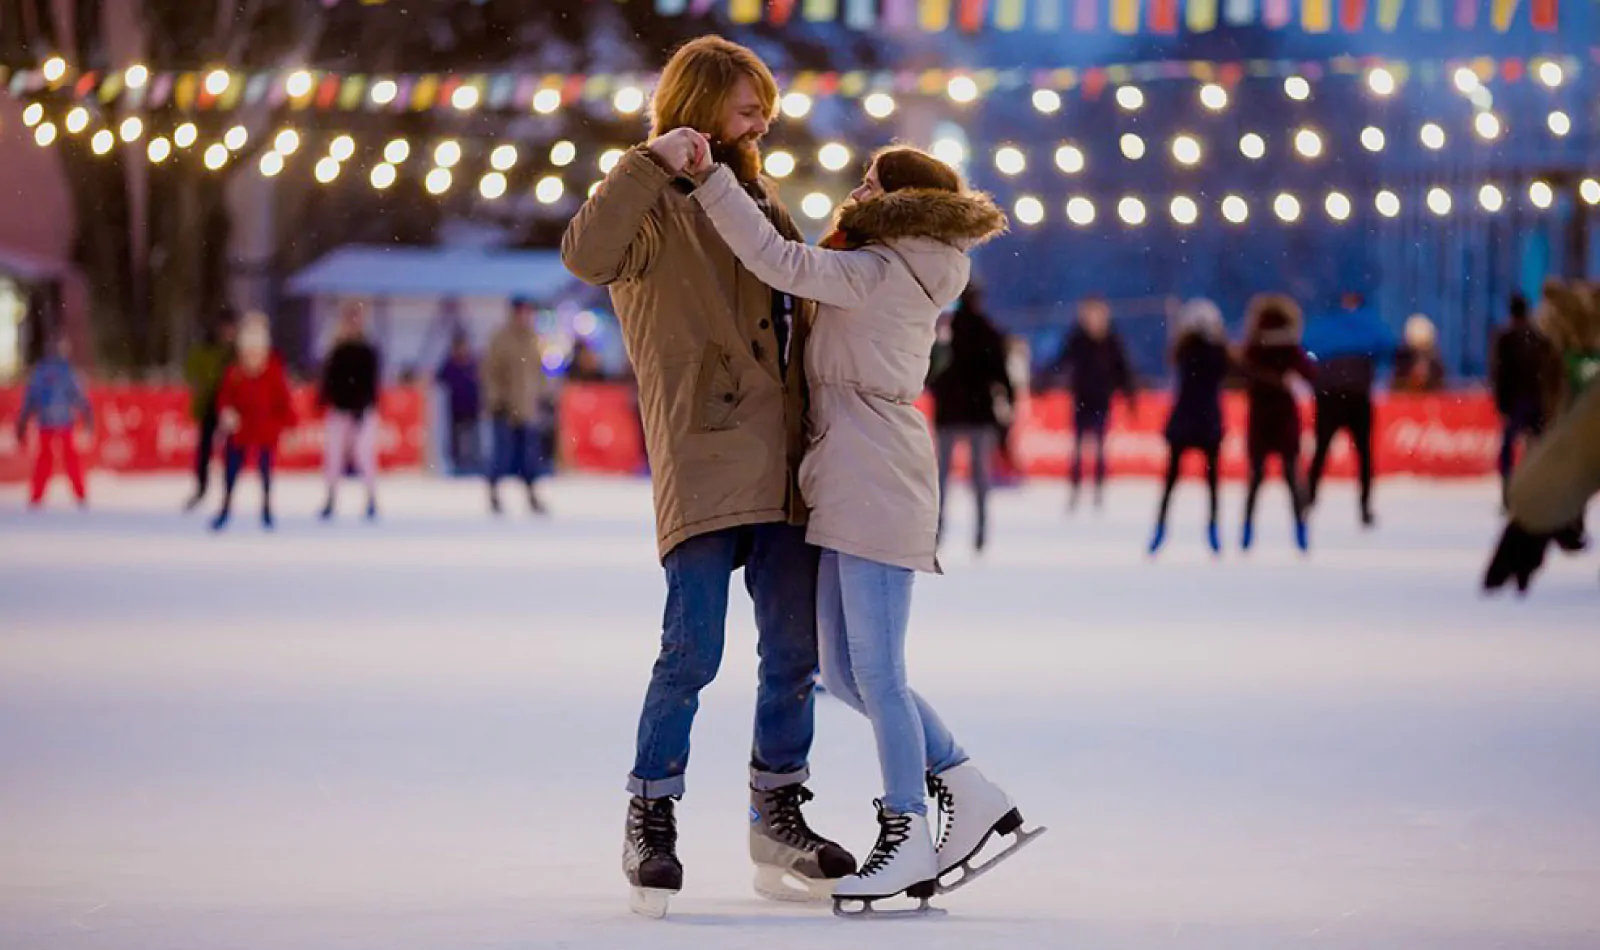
[[149, 429]]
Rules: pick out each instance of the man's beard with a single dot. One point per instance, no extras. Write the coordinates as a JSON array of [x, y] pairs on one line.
[[743, 156]]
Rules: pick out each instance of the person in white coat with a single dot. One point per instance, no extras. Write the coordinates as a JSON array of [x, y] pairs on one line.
[[896, 260]]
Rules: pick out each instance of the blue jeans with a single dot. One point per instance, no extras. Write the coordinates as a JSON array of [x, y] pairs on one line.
[[780, 572], [863, 609], [980, 446], [518, 452]]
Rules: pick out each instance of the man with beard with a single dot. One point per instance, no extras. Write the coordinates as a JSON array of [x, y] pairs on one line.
[[722, 395]]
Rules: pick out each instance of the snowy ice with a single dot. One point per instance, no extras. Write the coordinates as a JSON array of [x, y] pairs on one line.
[[415, 734]]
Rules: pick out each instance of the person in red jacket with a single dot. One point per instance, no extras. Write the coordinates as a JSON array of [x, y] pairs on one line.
[[253, 408]]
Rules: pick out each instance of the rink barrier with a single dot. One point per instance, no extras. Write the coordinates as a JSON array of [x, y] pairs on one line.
[[149, 429]]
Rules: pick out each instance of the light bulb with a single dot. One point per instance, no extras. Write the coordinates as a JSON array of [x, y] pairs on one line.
[[55, 69], [1387, 203], [816, 205], [1132, 147], [833, 156], [1381, 82], [185, 135], [1253, 146], [439, 181], [609, 159], [103, 142], [383, 176], [962, 89], [1132, 211], [236, 138], [342, 148], [287, 142], [1439, 201], [384, 91], [1373, 139], [950, 151], [1296, 88], [1488, 126], [465, 98], [299, 84], [563, 153], [1433, 136], [492, 186], [1213, 97], [217, 155], [546, 101], [33, 114], [327, 169], [45, 134], [1069, 158], [1589, 190], [218, 81], [1235, 209], [1551, 74], [1186, 150], [778, 164], [1287, 207], [796, 105], [1130, 98], [1466, 80], [77, 120], [1010, 160], [1184, 210], [1338, 206], [1080, 211], [271, 164], [1308, 143], [1029, 210], [132, 128], [1491, 198], [503, 158], [628, 100], [136, 76], [549, 190], [1560, 124], [1047, 101], [447, 154], [1542, 195], [879, 105]]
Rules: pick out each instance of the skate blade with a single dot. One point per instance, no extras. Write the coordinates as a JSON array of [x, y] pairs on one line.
[[782, 884], [649, 902], [1021, 838], [865, 908]]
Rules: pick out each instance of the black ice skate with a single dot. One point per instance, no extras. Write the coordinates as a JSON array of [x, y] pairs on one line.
[[650, 855], [793, 863]]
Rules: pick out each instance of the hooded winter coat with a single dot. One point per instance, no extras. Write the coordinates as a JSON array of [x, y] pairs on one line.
[[1201, 365], [964, 392], [262, 401], [869, 475], [723, 415], [1271, 355]]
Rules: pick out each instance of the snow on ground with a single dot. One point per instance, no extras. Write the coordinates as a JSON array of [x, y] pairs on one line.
[[414, 734]]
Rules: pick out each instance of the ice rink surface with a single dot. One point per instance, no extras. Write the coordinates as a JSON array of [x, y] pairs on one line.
[[414, 734]]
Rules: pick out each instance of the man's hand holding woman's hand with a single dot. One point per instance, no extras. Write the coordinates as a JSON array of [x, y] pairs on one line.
[[682, 151]]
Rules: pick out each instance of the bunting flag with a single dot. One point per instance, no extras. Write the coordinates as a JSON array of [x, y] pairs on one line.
[[899, 15], [1503, 12], [1164, 16], [1430, 14], [671, 7], [1466, 14], [1009, 15], [1200, 16], [933, 16], [1047, 16], [820, 11], [1353, 14], [1316, 16], [1239, 12], [1389, 13], [779, 12], [1546, 14], [1085, 15], [970, 15], [860, 14], [1125, 16], [1276, 14], [744, 11]]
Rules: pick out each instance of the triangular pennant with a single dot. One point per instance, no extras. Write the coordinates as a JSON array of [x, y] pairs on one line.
[[1200, 16]]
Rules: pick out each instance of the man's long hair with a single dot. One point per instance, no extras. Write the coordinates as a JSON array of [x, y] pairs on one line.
[[697, 81]]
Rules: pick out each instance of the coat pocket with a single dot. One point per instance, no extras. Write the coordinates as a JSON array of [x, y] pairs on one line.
[[716, 392]]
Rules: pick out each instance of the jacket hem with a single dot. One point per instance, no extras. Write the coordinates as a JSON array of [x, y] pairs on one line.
[[684, 532], [925, 563]]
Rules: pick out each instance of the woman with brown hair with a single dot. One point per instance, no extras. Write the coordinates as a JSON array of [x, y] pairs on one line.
[[896, 258], [1272, 354]]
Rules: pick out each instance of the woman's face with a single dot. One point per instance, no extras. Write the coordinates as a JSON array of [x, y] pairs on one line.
[[869, 187]]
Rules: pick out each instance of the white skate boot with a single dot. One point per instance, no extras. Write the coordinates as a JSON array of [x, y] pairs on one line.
[[902, 862], [972, 809]]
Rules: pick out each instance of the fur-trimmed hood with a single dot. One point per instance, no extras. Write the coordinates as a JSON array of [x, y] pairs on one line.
[[963, 220], [931, 231]]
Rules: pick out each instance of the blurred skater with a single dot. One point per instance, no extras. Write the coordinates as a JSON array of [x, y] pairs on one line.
[[253, 409], [350, 395], [968, 391], [1095, 364], [55, 401], [1272, 354], [1201, 364]]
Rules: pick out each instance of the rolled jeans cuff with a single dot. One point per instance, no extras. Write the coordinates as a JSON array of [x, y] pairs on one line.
[[656, 788]]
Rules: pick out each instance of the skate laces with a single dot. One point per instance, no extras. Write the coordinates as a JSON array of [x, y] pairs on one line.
[[786, 818], [939, 791], [893, 831], [657, 832]]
